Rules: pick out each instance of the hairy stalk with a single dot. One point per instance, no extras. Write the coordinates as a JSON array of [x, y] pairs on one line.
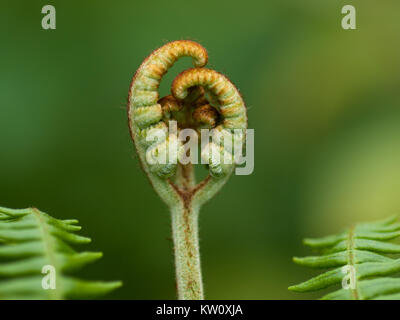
[[184, 219], [187, 255], [201, 98]]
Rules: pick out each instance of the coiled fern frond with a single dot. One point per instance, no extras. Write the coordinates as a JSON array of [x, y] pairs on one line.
[[31, 242], [359, 254]]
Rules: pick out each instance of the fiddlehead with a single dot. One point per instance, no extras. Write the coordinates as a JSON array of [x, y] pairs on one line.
[[201, 99], [144, 111], [230, 106]]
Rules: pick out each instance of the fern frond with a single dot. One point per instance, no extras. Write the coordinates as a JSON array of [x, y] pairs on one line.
[[364, 248], [31, 240]]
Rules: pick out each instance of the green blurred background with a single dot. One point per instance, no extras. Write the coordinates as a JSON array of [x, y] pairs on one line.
[[324, 103]]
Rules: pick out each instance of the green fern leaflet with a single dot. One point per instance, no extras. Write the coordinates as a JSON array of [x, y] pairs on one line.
[[365, 249], [31, 240]]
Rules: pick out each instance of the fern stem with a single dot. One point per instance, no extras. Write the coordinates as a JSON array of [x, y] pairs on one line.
[[174, 181], [187, 255], [49, 252], [350, 260]]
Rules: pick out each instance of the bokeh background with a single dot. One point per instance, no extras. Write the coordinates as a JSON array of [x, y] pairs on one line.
[[324, 103]]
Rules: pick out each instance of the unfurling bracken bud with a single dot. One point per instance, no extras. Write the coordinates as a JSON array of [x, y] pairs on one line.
[[206, 116], [201, 98], [169, 105], [166, 136], [219, 160]]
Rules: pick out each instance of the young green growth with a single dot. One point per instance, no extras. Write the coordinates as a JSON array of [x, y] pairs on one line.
[[362, 251], [201, 98], [33, 243]]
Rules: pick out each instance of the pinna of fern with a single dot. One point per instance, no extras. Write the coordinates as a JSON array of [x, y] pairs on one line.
[[30, 240], [365, 247]]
